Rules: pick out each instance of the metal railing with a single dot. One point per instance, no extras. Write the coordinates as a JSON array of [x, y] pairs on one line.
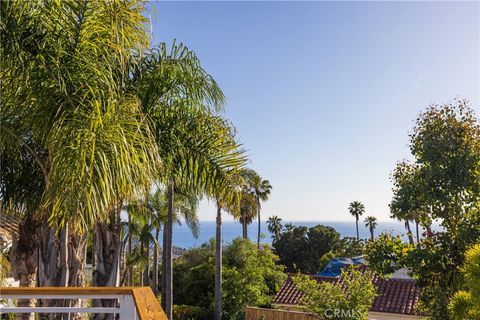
[[132, 303]]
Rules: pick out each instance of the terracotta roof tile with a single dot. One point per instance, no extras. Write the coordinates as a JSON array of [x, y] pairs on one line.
[[398, 296]]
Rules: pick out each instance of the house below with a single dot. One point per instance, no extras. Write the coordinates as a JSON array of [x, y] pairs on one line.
[[396, 297]]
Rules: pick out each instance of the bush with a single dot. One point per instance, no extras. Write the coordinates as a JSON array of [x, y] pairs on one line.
[[184, 312]]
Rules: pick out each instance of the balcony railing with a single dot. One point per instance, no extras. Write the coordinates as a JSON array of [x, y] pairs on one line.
[[133, 303]]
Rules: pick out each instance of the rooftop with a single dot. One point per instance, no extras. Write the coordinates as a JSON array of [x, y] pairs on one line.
[[394, 295]]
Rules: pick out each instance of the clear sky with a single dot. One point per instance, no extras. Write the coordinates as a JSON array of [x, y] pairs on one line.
[[323, 94]]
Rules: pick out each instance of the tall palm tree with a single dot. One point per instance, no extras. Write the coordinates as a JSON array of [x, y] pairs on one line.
[[65, 73], [179, 98], [356, 209], [247, 211], [227, 197], [371, 223], [185, 208], [142, 230], [275, 227], [260, 189]]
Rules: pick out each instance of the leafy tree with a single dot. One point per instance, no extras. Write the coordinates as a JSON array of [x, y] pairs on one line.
[[251, 277], [351, 247], [351, 300], [386, 253], [441, 184], [275, 227], [407, 203], [301, 248], [371, 223], [465, 304], [356, 209]]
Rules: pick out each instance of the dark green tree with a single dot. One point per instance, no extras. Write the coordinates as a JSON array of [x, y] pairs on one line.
[[275, 227], [301, 249]]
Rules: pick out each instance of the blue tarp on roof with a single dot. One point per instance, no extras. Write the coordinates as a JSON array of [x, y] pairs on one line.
[[335, 266]]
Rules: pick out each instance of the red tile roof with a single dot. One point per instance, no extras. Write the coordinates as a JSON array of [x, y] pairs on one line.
[[394, 295]]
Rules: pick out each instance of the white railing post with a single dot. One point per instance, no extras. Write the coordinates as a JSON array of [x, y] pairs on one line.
[[127, 310]]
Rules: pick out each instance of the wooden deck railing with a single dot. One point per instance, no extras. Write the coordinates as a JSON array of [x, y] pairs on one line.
[[134, 303]]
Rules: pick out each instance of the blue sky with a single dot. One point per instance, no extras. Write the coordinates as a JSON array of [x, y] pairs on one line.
[[323, 94]]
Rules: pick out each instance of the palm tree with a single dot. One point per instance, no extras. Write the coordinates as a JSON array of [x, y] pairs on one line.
[[260, 189], [227, 196], [248, 210], [356, 209], [72, 94], [185, 207], [275, 227], [188, 132], [371, 223], [142, 230]]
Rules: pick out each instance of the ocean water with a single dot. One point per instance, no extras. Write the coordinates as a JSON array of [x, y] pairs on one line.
[[183, 238]]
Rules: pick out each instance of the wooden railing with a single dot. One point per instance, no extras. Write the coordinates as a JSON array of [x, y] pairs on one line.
[[133, 303], [252, 313]]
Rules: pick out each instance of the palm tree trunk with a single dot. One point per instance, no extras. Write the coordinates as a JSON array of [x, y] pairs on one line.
[[142, 274], [417, 230], [130, 268], [168, 253], [244, 229], [107, 255], [218, 265], [50, 265], [77, 263], [358, 235], [146, 270], [164, 263], [409, 231], [371, 233], [259, 230], [24, 258], [155, 262]]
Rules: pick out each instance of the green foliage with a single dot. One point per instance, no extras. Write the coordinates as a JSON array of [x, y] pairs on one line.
[[371, 223], [4, 268], [356, 209], [352, 300], [250, 277], [442, 183], [386, 253], [446, 145], [301, 248], [351, 247], [465, 305], [65, 103], [184, 312], [275, 227]]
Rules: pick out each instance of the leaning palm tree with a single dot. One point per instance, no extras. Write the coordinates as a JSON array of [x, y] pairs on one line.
[[275, 227], [371, 224], [356, 209]]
